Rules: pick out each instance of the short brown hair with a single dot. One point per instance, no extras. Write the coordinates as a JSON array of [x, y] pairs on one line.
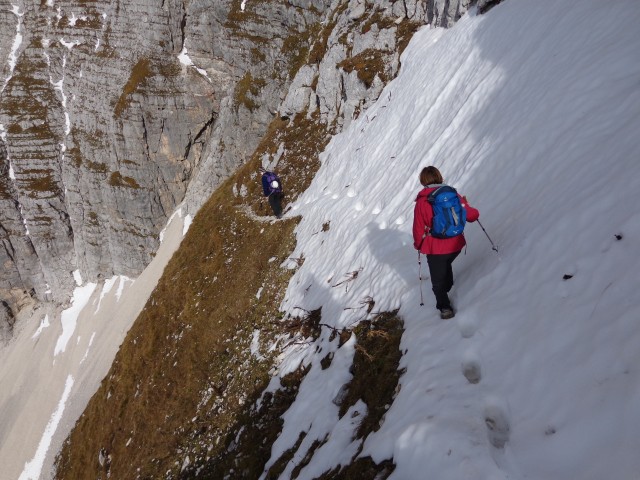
[[430, 176]]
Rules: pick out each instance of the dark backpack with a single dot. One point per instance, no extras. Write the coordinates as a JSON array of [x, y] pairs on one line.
[[449, 217]]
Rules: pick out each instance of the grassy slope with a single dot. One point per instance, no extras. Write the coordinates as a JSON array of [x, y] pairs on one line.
[[178, 381]]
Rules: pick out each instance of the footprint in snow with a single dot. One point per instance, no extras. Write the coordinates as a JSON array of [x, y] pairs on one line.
[[472, 371], [497, 422], [471, 368], [468, 325]]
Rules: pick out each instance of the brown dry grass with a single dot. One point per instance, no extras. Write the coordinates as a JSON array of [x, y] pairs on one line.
[[369, 64], [304, 139], [139, 74], [246, 90], [191, 337], [116, 179], [375, 369], [178, 381], [247, 447], [42, 185]]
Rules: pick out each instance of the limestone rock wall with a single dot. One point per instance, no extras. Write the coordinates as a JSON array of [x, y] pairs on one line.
[[98, 119], [112, 113]]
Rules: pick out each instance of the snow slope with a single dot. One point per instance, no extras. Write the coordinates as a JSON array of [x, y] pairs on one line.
[[533, 112]]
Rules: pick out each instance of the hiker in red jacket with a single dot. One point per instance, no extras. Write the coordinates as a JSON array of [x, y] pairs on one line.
[[440, 252]]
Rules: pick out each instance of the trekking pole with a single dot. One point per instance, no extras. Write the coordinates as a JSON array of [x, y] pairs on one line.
[[493, 246], [420, 277]]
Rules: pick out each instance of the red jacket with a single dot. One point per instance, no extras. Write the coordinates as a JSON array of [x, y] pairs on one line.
[[422, 217]]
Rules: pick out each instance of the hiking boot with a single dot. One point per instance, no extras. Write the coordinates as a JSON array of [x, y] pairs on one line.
[[446, 313]]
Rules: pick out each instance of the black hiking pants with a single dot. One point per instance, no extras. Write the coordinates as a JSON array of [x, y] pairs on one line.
[[441, 271], [275, 200]]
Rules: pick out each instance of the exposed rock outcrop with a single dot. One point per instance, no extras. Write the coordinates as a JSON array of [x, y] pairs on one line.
[[6, 321]]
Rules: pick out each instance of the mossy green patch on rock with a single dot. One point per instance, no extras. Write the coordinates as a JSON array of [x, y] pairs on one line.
[[296, 48], [321, 38], [257, 55], [92, 219], [405, 32], [30, 99], [170, 69], [238, 17], [75, 155], [105, 50], [14, 129], [378, 19], [91, 20]]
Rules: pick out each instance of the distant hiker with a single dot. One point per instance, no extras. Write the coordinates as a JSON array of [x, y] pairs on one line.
[[441, 205], [272, 189]]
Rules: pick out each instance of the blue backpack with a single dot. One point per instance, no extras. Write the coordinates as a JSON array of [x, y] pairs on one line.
[[449, 217]]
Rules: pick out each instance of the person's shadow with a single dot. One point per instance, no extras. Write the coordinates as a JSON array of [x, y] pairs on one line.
[[394, 248]]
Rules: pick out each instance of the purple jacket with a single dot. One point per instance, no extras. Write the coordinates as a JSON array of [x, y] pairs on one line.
[[267, 183]]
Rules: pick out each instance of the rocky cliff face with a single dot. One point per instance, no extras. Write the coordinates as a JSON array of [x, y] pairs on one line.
[[113, 113], [98, 120]]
